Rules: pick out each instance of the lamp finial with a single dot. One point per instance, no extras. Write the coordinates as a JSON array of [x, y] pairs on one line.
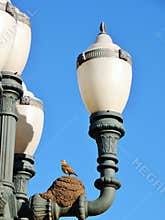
[[102, 28]]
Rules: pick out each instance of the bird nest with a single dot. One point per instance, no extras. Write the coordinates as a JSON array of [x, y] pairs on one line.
[[64, 191]]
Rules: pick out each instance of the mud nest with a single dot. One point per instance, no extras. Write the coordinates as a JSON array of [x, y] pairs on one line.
[[64, 191]]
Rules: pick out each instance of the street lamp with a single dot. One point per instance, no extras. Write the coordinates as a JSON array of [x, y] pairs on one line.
[[104, 78]]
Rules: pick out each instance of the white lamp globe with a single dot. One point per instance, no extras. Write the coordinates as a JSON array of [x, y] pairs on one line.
[[104, 75], [30, 123], [21, 47], [7, 31]]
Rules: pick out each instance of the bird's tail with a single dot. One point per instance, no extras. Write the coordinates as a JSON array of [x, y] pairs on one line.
[[75, 174]]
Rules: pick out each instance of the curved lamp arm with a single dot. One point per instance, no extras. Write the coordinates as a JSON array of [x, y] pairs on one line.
[[103, 203], [106, 128]]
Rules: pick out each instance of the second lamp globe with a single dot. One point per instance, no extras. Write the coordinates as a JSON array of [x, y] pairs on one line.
[[15, 38], [104, 75], [30, 123]]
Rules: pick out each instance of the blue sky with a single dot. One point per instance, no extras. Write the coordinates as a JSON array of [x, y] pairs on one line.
[[62, 30]]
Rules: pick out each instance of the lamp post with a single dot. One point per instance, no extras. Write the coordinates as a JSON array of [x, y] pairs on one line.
[[104, 78]]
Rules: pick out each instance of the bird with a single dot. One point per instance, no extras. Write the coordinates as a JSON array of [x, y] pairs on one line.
[[66, 168]]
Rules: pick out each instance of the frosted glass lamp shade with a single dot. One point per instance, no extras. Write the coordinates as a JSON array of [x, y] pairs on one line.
[[7, 34], [104, 75], [105, 83], [21, 47], [29, 125]]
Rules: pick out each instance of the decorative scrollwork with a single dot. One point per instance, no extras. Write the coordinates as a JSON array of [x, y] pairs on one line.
[[103, 52], [20, 183], [107, 144], [106, 124], [25, 100]]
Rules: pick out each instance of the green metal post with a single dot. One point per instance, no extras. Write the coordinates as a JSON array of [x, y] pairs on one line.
[[11, 92]]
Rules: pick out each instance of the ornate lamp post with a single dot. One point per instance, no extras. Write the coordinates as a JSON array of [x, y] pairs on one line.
[[104, 77]]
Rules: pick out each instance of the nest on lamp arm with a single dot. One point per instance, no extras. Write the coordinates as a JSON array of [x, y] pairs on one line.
[[64, 191]]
